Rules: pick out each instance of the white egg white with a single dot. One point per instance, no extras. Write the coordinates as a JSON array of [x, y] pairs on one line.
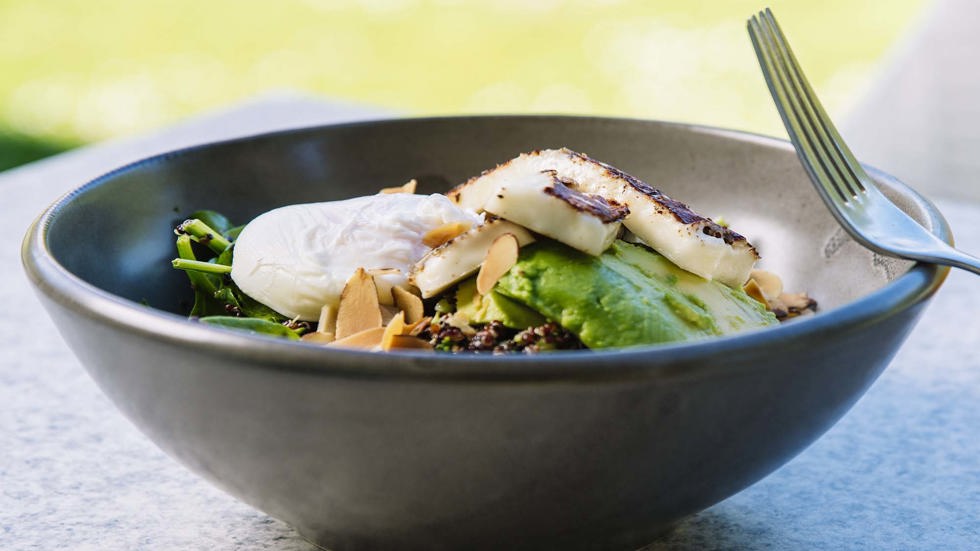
[[297, 258]]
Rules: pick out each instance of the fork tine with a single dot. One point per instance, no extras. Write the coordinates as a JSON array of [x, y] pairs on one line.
[[800, 131], [846, 163]]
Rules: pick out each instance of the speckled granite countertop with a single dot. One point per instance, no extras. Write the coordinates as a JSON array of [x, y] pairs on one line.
[[900, 471]]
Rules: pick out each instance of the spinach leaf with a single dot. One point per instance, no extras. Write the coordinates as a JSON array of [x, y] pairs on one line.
[[254, 325], [215, 220]]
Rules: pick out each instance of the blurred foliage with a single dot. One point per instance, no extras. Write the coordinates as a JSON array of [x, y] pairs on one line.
[[17, 149], [85, 70]]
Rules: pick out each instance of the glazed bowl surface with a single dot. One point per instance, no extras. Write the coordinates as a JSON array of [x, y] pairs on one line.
[[362, 450]]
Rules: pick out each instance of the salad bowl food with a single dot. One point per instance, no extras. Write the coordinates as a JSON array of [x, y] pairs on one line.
[[411, 449]]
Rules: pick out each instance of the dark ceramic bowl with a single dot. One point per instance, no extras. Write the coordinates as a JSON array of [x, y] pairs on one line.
[[360, 450]]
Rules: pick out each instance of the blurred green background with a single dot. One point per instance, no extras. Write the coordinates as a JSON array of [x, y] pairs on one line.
[[75, 72]]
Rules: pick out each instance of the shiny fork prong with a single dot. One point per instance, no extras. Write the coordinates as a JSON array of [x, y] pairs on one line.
[[811, 150], [847, 166], [810, 111]]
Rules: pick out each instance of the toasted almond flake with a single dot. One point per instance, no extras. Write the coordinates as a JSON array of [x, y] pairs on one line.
[[416, 328], [407, 342], [407, 187], [500, 258], [319, 337], [444, 233], [398, 322], [780, 309], [769, 283], [408, 302], [752, 289], [388, 313], [383, 271], [328, 320], [383, 284], [791, 305], [394, 328], [359, 308], [367, 339], [412, 289], [797, 301]]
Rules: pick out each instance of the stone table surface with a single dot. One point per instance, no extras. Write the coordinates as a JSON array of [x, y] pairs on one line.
[[900, 471]]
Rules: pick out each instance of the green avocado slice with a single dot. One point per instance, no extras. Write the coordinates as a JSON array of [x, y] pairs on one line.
[[494, 306], [627, 296]]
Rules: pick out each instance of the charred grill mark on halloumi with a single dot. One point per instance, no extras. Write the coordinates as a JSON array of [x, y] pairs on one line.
[[679, 210], [693, 242], [607, 211], [548, 205]]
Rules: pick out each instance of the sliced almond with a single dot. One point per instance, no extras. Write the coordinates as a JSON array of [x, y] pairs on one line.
[[412, 289], [408, 302], [319, 337], [384, 284], [407, 342], [388, 313], [407, 187], [791, 305], [416, 328], [359, 308], [798, 302], [769, 283], [753, 290], [500, 258], [374, 272], [328, 320], [394, 328], [366, 339], [444, 233]]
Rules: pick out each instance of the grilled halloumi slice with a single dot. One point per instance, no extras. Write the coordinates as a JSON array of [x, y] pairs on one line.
[[543, 203], [461, 256], [689, 240]]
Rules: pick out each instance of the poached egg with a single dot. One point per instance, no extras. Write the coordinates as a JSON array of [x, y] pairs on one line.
[[297, 258]]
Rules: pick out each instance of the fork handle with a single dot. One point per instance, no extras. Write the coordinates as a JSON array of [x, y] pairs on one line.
[[953, 257]]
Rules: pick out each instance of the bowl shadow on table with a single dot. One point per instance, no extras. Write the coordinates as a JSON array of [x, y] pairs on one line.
[[704, 531], [712, 529]]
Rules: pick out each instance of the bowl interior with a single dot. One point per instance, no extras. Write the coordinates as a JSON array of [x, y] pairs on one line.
[[116, 233]]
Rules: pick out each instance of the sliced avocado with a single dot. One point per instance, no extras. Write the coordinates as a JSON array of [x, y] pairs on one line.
[[731, 309], [627, 296], [494, 306]]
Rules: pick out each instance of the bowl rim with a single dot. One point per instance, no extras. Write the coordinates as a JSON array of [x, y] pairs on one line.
[[54, 282]]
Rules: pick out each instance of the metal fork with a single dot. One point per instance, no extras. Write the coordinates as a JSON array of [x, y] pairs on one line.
[[847, 190]]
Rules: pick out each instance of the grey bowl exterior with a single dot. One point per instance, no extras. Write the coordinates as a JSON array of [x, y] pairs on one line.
[[364, 451]]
